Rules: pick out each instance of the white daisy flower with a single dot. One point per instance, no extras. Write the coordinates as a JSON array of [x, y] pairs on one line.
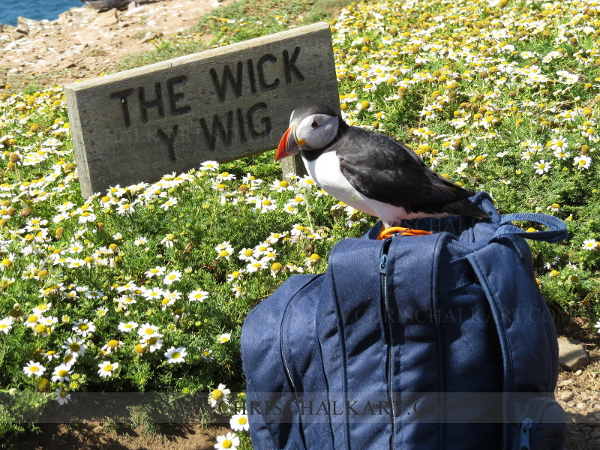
[[62, 396], [156, 272], [61, 373], [542, 167], [107, 368], [239, 422], [219, 395], [6, 324], [175, 355], [171, 202], [172, 277], [582, 162], [74, 345], [229, 441], [33, 368], [147, 331], [209, 166], [197, 296], [223, 338], [84, 327], [224, 250], [127, 327]]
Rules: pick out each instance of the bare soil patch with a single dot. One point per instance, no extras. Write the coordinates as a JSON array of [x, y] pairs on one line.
[[84, 43], [93, 436]]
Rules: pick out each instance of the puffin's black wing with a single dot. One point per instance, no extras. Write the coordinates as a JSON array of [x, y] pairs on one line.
[[384, 169]]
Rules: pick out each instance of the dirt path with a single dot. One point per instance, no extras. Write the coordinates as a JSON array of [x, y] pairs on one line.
[[84, 43]]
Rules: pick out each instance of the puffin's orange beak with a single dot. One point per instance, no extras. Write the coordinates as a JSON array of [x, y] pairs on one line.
[[284, 145], [288, 145]]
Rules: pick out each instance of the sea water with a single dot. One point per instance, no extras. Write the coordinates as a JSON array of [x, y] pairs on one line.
[[34, 9]]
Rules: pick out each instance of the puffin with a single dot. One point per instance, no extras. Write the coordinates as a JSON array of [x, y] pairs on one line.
[[370, 171], [105, 5]]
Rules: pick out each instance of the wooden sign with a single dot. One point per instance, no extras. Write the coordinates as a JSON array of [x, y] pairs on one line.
[[220, 104]]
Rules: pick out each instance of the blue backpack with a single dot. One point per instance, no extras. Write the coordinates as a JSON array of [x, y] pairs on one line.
[[439, 341]]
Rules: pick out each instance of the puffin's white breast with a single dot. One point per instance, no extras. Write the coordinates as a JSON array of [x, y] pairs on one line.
[[325, 170]]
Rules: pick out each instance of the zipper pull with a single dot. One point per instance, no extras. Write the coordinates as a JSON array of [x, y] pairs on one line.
[[383, 263], [525, 434]]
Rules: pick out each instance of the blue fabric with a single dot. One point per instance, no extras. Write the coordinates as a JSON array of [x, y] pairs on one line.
[[374, 348]]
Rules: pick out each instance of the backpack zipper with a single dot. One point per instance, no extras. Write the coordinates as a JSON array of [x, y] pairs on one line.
[[535, 414], [383, 260], [526, 427]]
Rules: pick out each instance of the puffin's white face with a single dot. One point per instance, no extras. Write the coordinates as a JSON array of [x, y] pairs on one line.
[[311, 127], [315, 131]]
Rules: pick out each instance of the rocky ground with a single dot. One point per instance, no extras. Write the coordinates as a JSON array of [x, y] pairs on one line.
[[578, 388], [83, 44]]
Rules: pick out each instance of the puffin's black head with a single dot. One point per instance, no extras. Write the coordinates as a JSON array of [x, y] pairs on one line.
[[312, 127]]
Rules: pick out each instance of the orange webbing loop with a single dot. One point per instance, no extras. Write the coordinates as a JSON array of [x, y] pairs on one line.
[[388, 232]]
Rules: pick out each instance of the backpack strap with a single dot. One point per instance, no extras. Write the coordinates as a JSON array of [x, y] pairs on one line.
[[556, 232], [524, 325]]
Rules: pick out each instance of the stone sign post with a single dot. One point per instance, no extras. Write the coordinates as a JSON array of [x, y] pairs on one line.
[[220, 104]]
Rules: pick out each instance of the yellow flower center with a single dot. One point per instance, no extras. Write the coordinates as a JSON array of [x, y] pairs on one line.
[[217, 394], [227, 443], [62, 373], [176, 355]]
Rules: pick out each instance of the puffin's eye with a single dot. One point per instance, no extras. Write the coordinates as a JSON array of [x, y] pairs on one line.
[[314, 125]]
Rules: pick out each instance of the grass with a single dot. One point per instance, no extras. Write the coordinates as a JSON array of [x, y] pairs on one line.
[[238, 21], [501, 98]]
